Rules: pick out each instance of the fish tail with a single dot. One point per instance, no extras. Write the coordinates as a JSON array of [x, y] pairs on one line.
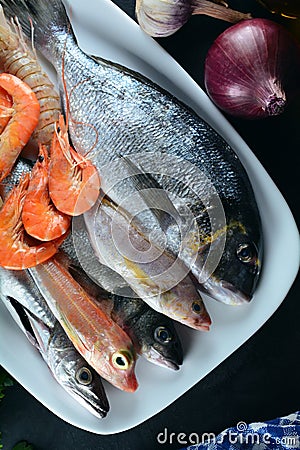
[[46, 21]]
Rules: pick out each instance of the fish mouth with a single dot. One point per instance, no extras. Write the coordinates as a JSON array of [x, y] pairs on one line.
[[129, 384], [100, 413], [157, 358], [201, 323], [225, 292], [201, 327], [92, 405]]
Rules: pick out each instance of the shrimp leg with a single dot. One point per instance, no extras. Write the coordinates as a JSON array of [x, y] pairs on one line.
[[40, 217], [74, 181], [22, 124], [15, 253]]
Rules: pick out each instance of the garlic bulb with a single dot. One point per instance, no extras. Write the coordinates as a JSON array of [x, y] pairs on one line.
[[161, 18]]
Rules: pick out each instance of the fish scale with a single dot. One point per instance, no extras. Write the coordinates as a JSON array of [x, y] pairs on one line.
[[184, 134]]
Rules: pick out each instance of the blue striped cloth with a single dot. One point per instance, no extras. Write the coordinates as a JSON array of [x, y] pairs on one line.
[[278, 434]]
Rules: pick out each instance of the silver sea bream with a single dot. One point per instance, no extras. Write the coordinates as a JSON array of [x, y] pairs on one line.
[[157, 277], [116, 111]]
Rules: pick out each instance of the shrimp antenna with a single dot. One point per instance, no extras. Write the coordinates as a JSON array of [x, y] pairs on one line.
[[67, 112], [85, 123], [64, 82]]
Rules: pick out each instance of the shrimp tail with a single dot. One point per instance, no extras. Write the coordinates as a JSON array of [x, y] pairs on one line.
[[48, 19]]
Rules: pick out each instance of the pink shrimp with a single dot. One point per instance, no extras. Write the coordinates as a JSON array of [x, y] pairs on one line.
[[19, 59], [5, 109], [74, 182], [15, 252], [40, 217], [16, 134]]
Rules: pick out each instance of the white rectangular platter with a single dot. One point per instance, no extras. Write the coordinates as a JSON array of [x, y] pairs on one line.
[[103, 29]]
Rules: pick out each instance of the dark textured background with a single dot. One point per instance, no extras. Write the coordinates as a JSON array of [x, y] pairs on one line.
[[261, 379]]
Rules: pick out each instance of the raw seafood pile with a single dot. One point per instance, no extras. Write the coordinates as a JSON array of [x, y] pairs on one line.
[[152, 238]]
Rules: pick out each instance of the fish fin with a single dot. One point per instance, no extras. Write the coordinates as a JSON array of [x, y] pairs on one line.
[[23, 320], [37, 331], [46, 18], [155, 197], [73, 336], [41, 331]]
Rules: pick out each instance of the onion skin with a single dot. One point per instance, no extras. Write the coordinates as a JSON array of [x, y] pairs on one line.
[[252, 69]]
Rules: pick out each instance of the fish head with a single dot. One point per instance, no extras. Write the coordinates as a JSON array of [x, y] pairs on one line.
[[76, 376], [184, 304], [122, 369], [85, 385], [236, 276], [158, 339], [115, 363]]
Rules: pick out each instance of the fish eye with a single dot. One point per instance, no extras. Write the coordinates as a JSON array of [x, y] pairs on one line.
[[197, 307], [122, 359], [162, 335], [246, 253], [84, 376]]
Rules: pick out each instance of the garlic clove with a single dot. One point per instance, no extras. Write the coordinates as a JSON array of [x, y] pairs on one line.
[[161, 18]]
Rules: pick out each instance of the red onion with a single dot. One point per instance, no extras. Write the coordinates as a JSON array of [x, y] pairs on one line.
[[253, 69]]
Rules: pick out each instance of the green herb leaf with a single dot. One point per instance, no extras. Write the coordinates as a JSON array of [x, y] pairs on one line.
[[5, 381], [23, 445]]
